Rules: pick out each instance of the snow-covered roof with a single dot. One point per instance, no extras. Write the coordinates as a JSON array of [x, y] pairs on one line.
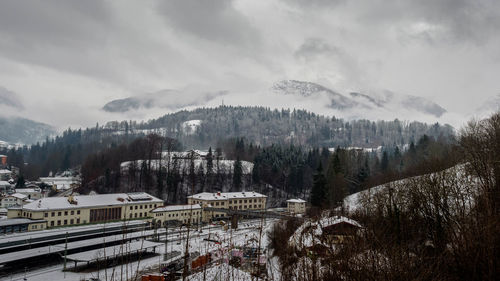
[[4, 183], [309, 233], [16, 221], [58, 179], [18, 196], [296, 201], [5, 171], [87, 201], [172, 208], [227, 195], [27, 190]]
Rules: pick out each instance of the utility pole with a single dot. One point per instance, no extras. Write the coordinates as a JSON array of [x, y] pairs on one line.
[[65, 250], [186, 253]]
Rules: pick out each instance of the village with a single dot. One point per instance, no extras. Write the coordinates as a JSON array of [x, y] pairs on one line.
[[94, 235]]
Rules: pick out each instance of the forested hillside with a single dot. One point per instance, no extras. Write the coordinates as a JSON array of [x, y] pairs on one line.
[[205, 127], [263, 126]]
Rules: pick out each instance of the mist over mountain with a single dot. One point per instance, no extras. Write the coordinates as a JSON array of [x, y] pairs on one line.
[[10, 99], [373, 105], [373, 101], [164, 99], [17, 130]]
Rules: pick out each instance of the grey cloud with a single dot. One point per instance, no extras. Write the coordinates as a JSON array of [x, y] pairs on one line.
[[53, 22], [460, 20], [211, 20], [314, 47]]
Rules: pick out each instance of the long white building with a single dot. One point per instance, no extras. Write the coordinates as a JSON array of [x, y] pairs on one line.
[[83, 209]]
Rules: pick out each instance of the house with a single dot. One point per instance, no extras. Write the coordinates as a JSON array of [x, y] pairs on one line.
[[83, 209], [296, 206], [4, 186], [323, 233], [15, 199], [243, 200], [61, 183], [196, 154], [5, 175], [32, 193], [3, 160]]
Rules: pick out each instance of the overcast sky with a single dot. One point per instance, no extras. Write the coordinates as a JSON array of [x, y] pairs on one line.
[[63, 60]]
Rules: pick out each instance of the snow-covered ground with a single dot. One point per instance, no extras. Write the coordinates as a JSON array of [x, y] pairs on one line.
[[224, 166], [460, 188], [190, 127]]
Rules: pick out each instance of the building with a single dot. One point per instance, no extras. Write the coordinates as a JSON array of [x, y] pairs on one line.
[[61, 183], [5, 175], [4, 186], [178, 213], [3, 160], [228, 200], [320, 235], [296, 206], [15, 199], [83, 209], [32, 193], [21, 225]]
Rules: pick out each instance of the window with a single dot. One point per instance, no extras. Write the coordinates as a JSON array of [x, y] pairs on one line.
[[130, 216], [72, 212], [58, 222], [52, 223], [65, 213], [131, 207], [150, 206], [241, 201], [141, 207], [65, 222], [78, 212], [135, 215], [71, 221], [136, 207], [58, 214], [46, 215], [78, 221]]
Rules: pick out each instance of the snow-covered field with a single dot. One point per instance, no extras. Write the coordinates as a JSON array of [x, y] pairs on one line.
[[224, 166]]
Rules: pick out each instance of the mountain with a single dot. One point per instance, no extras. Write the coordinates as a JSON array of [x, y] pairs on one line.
[[24, 131], [164, 99], [385, 100]]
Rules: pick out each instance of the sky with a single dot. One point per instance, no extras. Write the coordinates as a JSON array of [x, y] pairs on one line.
[[61, 61]]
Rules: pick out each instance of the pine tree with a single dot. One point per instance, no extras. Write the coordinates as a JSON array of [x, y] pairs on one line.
[[237, 174], [318, 192], [384, 165]]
